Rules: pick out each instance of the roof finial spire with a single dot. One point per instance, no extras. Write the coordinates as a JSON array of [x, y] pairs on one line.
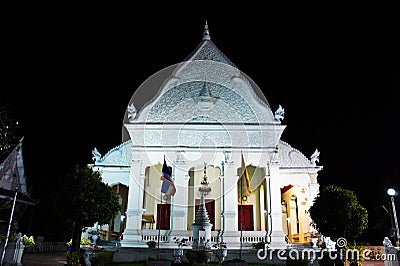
[[206, 33]]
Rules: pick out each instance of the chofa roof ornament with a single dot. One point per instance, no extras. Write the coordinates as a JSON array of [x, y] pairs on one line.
[[279, 114], [131, 112], [315, 157]]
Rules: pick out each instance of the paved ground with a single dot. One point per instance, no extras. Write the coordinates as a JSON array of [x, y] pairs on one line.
[[47, 258], [58, 258]]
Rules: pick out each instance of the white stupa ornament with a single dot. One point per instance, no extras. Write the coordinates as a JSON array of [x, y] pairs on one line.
[[202, 221]]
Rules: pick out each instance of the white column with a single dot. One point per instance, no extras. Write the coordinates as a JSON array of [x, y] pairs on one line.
[[277, 235], [179, 209], [262, 207], [313, 188], [222, 201], [231, 232], [132, 234]]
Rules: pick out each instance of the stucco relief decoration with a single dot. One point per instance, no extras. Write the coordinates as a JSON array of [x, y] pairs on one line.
[[152, 138], [201, 138], [206, 70], [226, 87], [208, 52], [289, 156], [119, 155], [116, 158], [255, 138], [205, 100], [181, 104]]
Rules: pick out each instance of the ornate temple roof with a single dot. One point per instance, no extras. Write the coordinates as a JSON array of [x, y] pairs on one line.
[[230, 97], [207, 50], [291, 157], [117, 156], [121, 156]]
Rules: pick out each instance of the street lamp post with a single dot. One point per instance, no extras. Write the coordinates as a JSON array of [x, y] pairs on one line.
[[391, 192]]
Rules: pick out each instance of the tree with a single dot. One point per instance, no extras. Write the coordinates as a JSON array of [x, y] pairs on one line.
[[8, 129], [8, 140], [336, 212], [88, 200]]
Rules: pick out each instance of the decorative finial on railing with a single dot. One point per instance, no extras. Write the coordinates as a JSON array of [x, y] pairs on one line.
[[206, 33]]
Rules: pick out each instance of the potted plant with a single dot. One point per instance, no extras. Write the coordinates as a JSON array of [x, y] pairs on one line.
[[260, 245], [221, 251], [73, 258], [15, 247], [314, 239], [178, 253], [151, 244], [84, 242]]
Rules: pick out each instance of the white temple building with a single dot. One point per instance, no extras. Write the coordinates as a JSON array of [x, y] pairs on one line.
[[206, 117]]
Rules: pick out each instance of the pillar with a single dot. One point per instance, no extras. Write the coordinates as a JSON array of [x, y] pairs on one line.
[[277, 236], [231, 233], [132, 234], [313, 188], [179, 206]]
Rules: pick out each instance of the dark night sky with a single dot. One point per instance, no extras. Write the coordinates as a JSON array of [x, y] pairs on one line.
[[69, 76]]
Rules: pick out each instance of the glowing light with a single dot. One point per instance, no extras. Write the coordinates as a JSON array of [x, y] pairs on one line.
[[391, 192]]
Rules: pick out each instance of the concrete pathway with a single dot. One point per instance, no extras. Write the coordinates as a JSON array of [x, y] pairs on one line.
[[46, 258]]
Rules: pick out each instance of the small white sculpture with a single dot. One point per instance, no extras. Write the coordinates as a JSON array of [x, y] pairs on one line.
[[228, 156], [315, 157], [330, 245], [179, 157], [387, 242], [279, 114]]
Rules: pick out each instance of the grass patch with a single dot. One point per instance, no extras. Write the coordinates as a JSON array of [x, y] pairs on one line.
[[102, 258]]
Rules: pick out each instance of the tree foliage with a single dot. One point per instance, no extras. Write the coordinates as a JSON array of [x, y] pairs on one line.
[[88, 200], [8, 132], [336, 212], [8, 140]]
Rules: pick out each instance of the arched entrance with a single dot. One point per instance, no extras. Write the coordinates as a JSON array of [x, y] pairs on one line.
[[295, 218], [251, 199]]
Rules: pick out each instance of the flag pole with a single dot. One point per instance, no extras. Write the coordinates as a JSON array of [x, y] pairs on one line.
[[158, 223], [241, 208], [159, 215], [9, 226]]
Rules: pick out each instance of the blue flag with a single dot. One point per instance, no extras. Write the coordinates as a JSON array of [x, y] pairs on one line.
[[167, 186]]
